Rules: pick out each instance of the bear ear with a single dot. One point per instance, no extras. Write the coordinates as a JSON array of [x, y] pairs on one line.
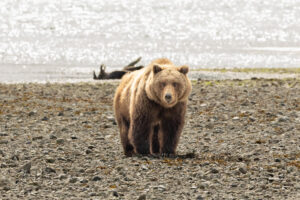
[[156, 69], [184, 69]]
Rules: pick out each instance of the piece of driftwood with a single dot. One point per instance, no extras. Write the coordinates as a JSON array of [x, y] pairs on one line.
[[117, 74]]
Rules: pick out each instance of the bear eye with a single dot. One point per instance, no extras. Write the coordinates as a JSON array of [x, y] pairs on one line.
[[175, 84], [162, 84]]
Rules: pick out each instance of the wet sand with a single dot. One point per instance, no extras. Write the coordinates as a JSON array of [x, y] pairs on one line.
[[240, 141]]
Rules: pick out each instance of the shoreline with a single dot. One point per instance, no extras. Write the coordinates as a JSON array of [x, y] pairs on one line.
[[199, 74]]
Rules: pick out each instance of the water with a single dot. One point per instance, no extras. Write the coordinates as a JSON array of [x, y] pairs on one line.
[[65, 40]]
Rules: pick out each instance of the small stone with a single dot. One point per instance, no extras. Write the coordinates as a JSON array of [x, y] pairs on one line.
[[1, 153], [27, 168], [88, 151], [50, 160], [142, 197], [73, 180], [277, 160], [242, 170], [60, 141], [45, 118], [50, 170], [60, 114], [214, 171], [199, 198], [37, 138], [3, 141], [115, 194], [52, 137], [31, 113], [74, 138], [84, 181], [96, 178], [62, 177]]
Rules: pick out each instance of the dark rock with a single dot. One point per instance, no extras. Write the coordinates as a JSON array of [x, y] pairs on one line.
[[74, 138], [199, 198], [2, 153], [277, 160], [31, 113], [115, 194], [142, 197], [60, 141], [73, 180], [52, 137], [60, 114], [15, 157], [50, 170], [37, 138], [45, 118], [3, 141], [26, 168], [50, 160], [88, 151], [214, 171], [243, 170], [96, 178], [84, 181]]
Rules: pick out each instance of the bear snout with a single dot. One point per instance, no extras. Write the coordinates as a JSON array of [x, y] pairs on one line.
[[168, 97]]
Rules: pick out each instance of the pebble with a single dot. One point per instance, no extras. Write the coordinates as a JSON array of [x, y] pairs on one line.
[[50, 170], [96, 178], [214, 171], [142, 197], [60, 141], [26, 168], [73, 180]]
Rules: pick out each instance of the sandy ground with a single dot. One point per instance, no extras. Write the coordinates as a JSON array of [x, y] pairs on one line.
[[241, 141]]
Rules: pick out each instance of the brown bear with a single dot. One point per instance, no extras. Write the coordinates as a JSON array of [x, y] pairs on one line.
[[150, 106]]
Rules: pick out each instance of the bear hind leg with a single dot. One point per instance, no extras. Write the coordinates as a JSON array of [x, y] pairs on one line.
[[124, 127]]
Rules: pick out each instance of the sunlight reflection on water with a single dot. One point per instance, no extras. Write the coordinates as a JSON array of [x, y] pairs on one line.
[[74, 37]]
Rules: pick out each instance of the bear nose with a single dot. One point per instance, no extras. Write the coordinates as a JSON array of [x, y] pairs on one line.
[[168, 97]]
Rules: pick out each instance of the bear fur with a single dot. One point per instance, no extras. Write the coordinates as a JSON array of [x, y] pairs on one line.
[[150, 106]]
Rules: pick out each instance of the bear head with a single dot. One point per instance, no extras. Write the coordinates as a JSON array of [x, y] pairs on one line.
[[168, 84]]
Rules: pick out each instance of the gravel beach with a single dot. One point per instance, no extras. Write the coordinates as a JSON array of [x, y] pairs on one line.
[[241, 141]]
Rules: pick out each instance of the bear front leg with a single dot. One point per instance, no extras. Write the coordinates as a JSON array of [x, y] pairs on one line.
[[139, 134], [170, 130]]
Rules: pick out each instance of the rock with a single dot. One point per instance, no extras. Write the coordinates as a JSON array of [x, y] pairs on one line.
[[96, 178], [50, 160], [84, 181], [62, 177], [243, 170], [214, 171], [45, 118], [2, 153], [31, 113], [199, 198], [37, 138], [52, 137], [3, 141], [73, 180], [60, 141], [60, 114], [115, 194], [50, 170], [142, 197], [26, 168], [74, 137]]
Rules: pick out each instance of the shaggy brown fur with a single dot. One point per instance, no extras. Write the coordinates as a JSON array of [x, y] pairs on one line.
[[150, 106]]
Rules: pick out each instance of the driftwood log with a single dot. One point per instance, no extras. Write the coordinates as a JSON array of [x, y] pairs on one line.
[[117, 74]]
